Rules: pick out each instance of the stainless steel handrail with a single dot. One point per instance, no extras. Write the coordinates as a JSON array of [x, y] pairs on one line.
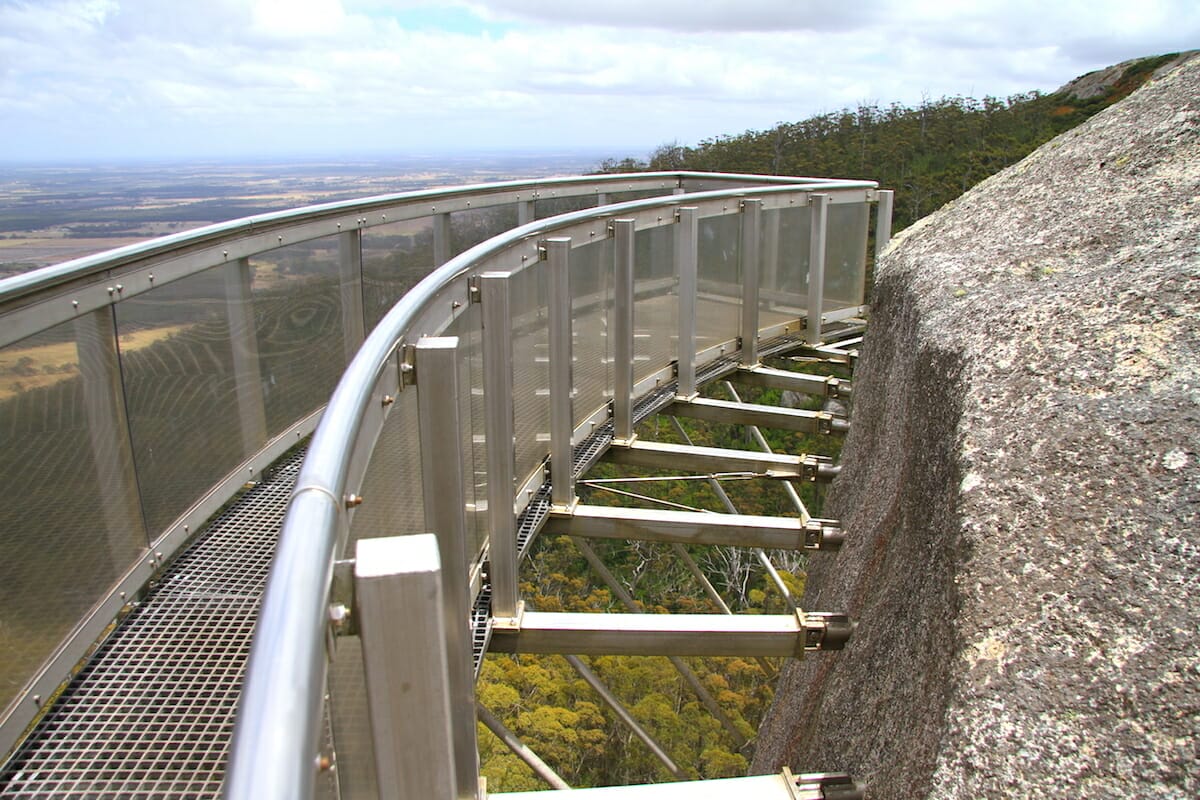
[[275, 738]]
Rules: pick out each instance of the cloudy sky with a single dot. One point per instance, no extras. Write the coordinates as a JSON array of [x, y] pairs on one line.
[[99, 80]]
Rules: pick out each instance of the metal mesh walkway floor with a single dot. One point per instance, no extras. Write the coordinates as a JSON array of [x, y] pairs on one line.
[[152, 711]]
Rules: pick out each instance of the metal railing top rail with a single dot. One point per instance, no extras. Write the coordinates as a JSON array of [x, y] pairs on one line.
[[192, 251], [275, 740]]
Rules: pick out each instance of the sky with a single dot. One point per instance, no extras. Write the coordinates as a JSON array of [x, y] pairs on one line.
[[97, 81]]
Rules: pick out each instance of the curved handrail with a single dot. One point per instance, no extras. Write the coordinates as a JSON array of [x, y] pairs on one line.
[[275, 736]]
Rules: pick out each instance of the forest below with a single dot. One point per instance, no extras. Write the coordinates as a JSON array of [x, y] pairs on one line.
[[929, 154]]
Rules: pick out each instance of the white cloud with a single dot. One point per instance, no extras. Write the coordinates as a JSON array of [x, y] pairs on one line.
[[280, 76]]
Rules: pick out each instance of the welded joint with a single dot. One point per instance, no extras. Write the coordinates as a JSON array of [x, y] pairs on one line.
[[815, 468], [823, 630], [510, 624]]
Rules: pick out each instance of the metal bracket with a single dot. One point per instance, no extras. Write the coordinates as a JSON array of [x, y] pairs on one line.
[[509, 624], [543, 253], [408, 364], [824, 630], [342, 619], [474, 290]]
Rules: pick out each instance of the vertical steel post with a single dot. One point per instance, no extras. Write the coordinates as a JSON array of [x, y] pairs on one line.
[[622, 332], [524, 212], [398, 591], [239, 303], [441, 239], [445, 512], [686, 242], [751, 267], [108, 430], [883, 220], [350, 278], [498, 428], [819, 209], [562, 418]]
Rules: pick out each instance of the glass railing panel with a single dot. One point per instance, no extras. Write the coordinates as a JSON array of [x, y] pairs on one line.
[[350, 718], [394, 258], [719, 297], [469, 228], [298, 321], [531, 368], [591, 269], [655, 312], [642, 194], [391, 487], [783, 283], [846, 255], [467, 326], [70, 524], [553, 206], [193, 388]]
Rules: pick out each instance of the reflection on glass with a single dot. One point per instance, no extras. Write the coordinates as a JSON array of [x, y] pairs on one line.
[[70, 525], [591, 271], [783, 285], [393, 504], [469, 228], [553, 206], [531, 368]]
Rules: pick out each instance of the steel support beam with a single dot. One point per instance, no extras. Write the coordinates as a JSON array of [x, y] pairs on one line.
[[768, 378], [622, 333], [612, 702], [788, 419], [780, 635], [498, 428], [398, 592], [751, 268], [687, 231], [442, 483], [686, 527], [819, 209], [709, 460], [786, 786], [521, 750]]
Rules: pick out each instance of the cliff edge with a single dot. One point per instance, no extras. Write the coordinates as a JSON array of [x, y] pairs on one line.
[[1021, 487]]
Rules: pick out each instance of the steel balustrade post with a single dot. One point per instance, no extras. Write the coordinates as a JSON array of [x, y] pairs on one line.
[[686, 243], [622, 332], [819, 215], [108, 429], [441, 239], [562, 422], [445, 512], [525, 214], [883, 220], [239, 303], [350, 279], [751, 268], [498, 429], [399, 593]]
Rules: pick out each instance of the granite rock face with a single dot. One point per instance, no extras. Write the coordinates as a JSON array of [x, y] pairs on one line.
[[1021, 487]]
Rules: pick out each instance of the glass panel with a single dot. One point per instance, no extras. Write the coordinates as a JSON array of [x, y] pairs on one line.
[[468, 327], [553, 206], [350, 717], [656, 312], [395, 258], [625, 197], [391, 487], [845, 255], [298, 318], [70, 525], [783, 285], [469, 228], [719, 299], [192, 421], [591, 303], [531, 368]]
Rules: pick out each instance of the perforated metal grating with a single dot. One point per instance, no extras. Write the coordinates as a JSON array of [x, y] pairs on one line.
[[151, 713]]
